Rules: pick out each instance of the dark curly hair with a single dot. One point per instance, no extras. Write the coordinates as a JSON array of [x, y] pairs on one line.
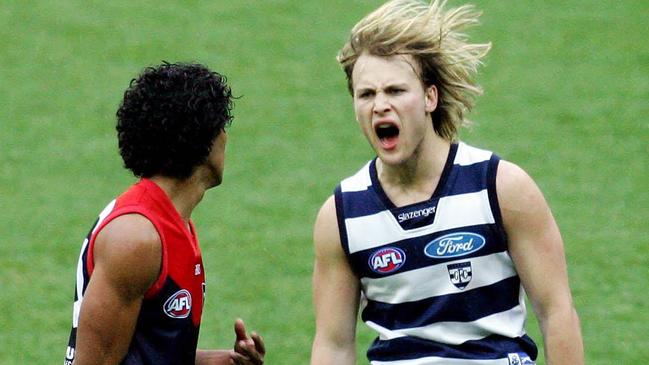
[[169, 118]]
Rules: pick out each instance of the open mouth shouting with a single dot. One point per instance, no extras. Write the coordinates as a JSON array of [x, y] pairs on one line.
[[388, 134]]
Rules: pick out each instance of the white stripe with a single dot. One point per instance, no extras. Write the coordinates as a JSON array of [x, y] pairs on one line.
[[468, 155], [372, 231], [358, 182], [382, 228], [80, 279], [508, 323], [76, 308], [104, 213], [434, 360], [463, 210], [395, 289]]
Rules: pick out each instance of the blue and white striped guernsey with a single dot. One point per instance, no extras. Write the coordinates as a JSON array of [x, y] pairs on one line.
[[439, 286]]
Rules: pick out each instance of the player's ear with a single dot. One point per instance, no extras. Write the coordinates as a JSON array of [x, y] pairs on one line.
[[431, 98]]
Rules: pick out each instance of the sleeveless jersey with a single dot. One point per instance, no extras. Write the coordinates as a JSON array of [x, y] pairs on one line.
[[438, 284], [168, 323]]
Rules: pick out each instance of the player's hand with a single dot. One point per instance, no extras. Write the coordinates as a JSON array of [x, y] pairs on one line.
[[248, 350]]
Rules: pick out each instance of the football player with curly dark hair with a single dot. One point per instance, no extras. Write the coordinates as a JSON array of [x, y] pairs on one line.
[[140, 278], [169, 118]]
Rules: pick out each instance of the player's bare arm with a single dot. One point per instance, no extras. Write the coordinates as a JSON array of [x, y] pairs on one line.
[[335, 292], [536, 248], [127, 258]]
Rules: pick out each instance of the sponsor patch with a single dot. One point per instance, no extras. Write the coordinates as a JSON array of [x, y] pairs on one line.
[[387, 260], [454, 245], [424, 212], [178, 305], [460, 274]]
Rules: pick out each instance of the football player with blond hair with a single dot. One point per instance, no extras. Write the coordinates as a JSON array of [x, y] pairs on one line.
[[436, 242]]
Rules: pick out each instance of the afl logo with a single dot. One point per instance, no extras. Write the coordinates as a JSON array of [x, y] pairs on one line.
[[454, 244], [387, 260], [179, 305]]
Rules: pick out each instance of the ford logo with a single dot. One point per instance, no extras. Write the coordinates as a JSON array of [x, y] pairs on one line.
[[454, 245]]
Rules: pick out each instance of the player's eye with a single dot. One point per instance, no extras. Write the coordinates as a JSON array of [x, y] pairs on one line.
[[364, 94]]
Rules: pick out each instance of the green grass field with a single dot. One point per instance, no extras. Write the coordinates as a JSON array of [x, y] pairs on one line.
[[567, 98]]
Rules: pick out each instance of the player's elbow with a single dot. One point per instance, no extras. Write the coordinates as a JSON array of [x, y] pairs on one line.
[[329, 350]]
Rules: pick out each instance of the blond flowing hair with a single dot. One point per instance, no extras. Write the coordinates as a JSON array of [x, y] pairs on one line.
[[433, 37]]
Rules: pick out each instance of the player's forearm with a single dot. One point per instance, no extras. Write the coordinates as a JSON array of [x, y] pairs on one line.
[[94, 350], [212, 357], [562, 338], [328, 358], [105, 339], [327, 354]]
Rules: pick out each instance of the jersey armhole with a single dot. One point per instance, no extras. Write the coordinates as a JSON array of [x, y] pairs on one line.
[[492, 172], [162, 277], [340, 217]]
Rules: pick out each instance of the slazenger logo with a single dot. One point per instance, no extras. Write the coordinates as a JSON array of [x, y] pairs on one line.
[[179, 305], [387, 260], [454, 244], [416, 214]]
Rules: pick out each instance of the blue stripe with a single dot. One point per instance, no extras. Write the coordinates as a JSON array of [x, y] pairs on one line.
[[414, 250], [493, 197], [465, 306], [361, 203], [492, 347], [466, 179]]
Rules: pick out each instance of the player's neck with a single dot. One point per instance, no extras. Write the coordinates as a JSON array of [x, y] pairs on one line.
[[416, 179], [184, 194]]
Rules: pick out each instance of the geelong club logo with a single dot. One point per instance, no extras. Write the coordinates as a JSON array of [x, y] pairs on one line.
[[460, 274], [179, 305], [387, 260]]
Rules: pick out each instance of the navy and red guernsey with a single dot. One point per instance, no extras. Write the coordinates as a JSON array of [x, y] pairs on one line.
[[168, 324]]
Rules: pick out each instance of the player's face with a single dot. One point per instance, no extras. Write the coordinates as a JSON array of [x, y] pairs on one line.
[[216, 159], [392, 106]]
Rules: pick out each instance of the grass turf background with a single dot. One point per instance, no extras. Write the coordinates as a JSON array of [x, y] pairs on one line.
[[566, 97]]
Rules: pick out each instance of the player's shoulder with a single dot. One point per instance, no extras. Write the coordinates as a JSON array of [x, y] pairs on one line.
[[127, 239], [510, 173], [130, 231], [327, 211], [129, 252], [512, 176], [325, 232], [515, 187]]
